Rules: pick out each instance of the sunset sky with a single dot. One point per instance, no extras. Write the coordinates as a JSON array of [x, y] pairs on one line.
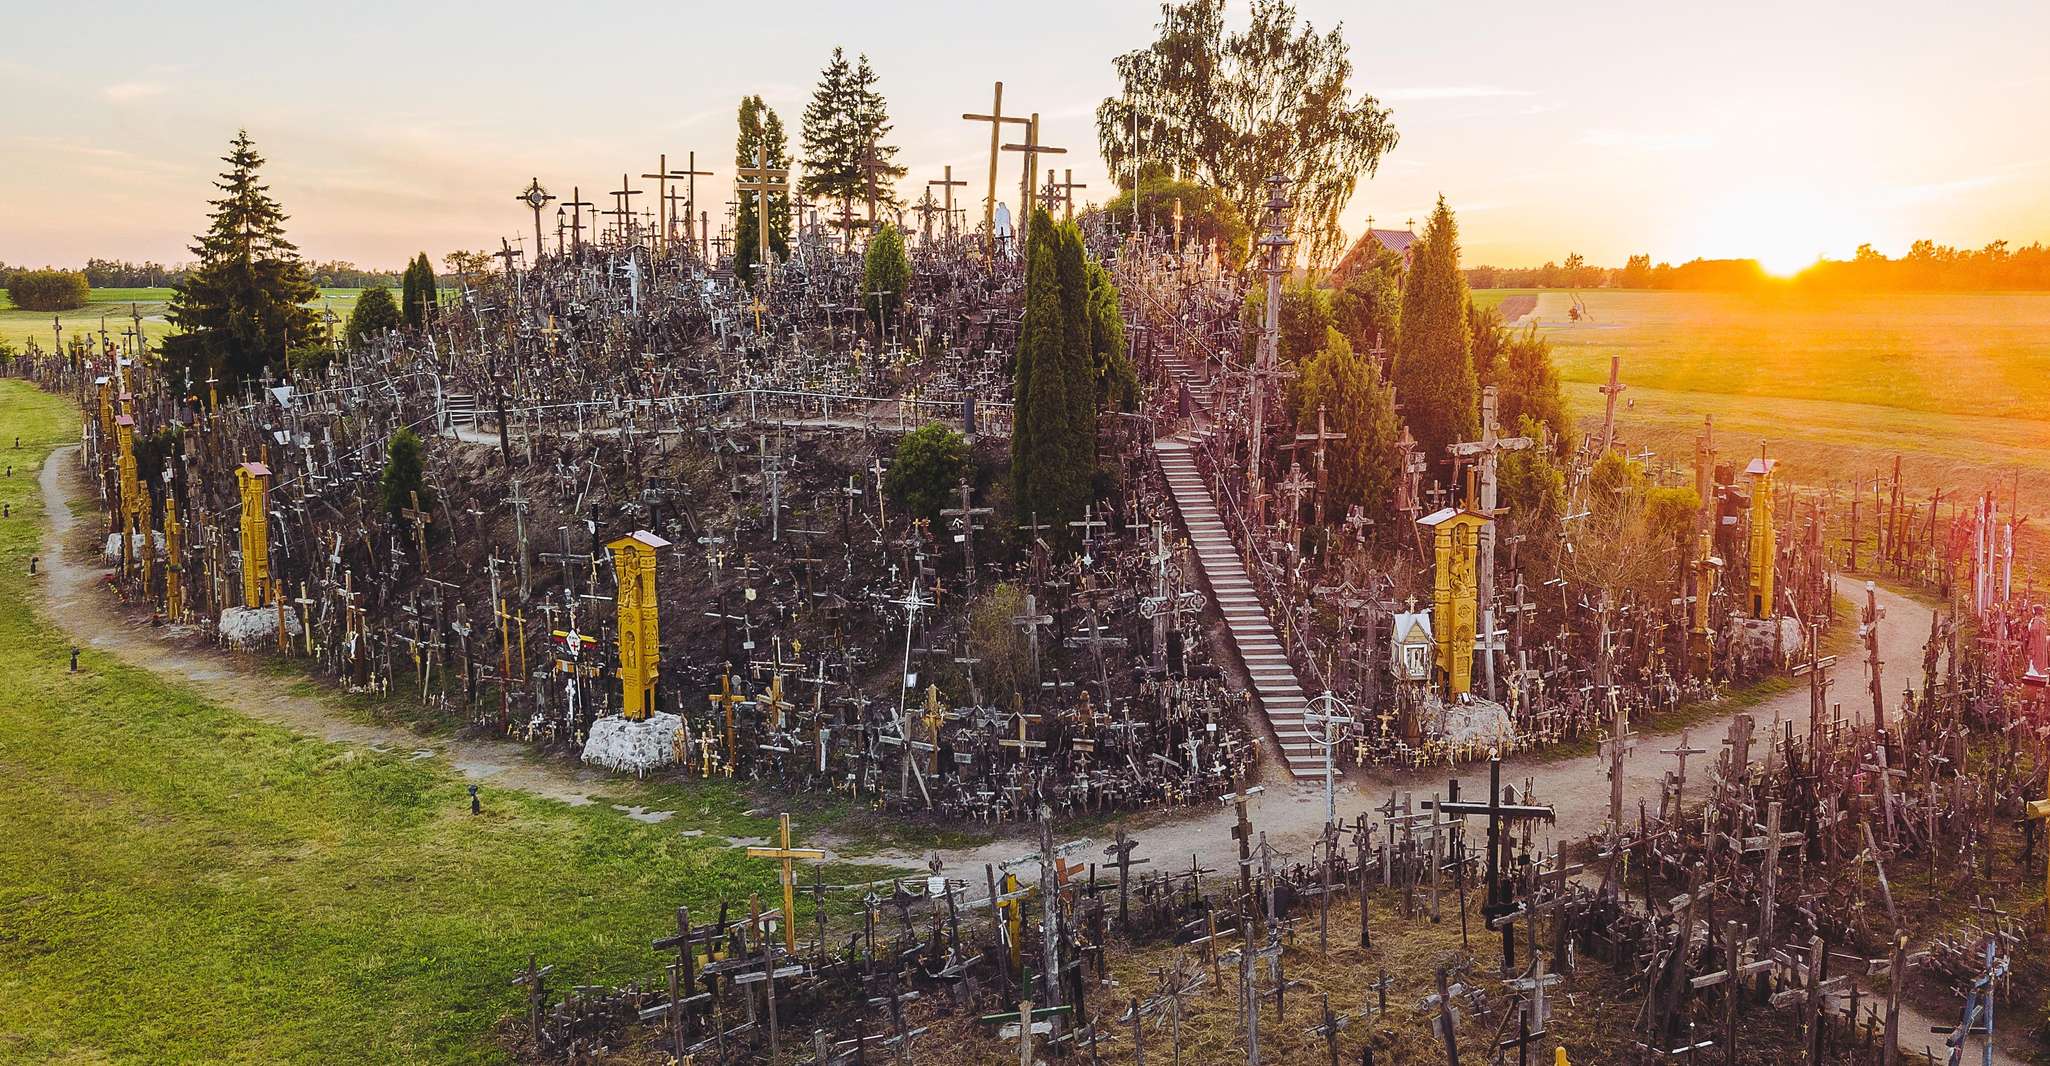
[[1777, 130]]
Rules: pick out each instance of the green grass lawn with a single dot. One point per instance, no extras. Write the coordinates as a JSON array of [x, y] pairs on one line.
[[117, 308], [186, 884]]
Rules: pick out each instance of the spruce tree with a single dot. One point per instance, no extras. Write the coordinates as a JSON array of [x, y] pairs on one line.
[[847, 117], [240, 308], [430, 294], [1357, 402], [1530, 387], [1434, 373], [1117, 382], [760, 129]]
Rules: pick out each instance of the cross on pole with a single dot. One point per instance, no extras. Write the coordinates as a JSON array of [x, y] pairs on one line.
[[623, 199], [1485, 453], [967, 518], [536, 197], [576, 204]]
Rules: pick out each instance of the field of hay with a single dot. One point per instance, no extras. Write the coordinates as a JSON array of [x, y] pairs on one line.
[[1834, 385]]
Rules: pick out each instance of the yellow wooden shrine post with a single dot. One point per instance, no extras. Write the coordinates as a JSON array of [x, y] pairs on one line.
[[1708, 569], [640, 631], [129, 506], [174, 565], [254, 481], [1764, 543], [1455, 595]]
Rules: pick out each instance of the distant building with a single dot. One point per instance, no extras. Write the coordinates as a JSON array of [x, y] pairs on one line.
[[1402, 242]]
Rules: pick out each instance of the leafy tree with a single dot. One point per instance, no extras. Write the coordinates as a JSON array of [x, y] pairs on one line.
[[1305, 320], [847, 118], [1233, 107], [240, 309], [1208, 215], [1530, 387], [1003, 659], [1053, 444], [1636, 272], [760, 132], [405, 473], [885, 274], [1358, 403], [930, 462], [374, 314], [1434, 375], [48, 290]]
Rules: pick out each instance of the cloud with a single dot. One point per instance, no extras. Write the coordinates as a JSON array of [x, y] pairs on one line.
[[128, 92], [1452, 92], [1647, 140]]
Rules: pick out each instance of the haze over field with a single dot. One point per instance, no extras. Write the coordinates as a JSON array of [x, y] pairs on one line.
[[1778, 131]]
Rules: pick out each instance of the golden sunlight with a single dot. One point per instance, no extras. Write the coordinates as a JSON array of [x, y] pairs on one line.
[[1786, 226]]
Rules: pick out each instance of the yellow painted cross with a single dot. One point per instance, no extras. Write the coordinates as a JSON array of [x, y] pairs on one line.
[[788, 856]]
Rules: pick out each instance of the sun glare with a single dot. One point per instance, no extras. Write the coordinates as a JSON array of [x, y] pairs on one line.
[[1786, 227]]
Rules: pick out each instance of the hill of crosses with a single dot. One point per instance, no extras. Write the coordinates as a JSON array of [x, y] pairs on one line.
[[1069, 631]]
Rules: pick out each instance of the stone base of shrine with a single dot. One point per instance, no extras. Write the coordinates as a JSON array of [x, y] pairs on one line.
[[255, 627], [1765, 640], [617, 743], [1470, 719], [112, 551]]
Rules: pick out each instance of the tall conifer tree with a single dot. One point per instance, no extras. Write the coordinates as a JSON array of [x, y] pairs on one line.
[[241, 307], [1434, 372]]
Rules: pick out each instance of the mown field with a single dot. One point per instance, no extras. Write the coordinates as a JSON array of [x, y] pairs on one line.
[[115, 308], [1958, 384], [185, 884]]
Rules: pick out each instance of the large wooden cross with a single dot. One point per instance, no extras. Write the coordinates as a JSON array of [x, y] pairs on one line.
[[663, 176], [762, 180], [623, 199], [726, 699], [1028, 195], [787, 856], [996, 119], [1497, 814]]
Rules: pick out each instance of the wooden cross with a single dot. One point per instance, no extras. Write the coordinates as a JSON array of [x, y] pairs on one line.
[[948, 185], [622, 198], [762, 180], [663, 176], [1243, 833], [1121, 853], [1032, 150], [1497, 814], [536, 197], [1682, 752], [1024, 1024], [726, 699], [536, 980], [1731, 976], [420, 520], [2039, 811], [1609, 392], [1029, 620], [1323, 437], [966, 518], [1065, 189], [787, 856], [996, 119]]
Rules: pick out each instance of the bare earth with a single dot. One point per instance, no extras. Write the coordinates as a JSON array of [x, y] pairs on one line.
[[1289, 814]]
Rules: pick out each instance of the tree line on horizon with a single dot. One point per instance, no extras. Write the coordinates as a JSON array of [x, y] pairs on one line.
[[1926, 266], [150, 274]]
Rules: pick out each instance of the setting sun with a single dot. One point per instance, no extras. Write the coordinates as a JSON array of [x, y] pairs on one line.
[[1786, 226]]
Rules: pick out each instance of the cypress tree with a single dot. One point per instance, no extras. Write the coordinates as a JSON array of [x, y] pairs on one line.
[[1038, 355], [1434, 372], [430, 294], [240, 308]]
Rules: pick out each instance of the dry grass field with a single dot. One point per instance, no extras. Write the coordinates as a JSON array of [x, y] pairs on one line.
[[1957, 384]]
